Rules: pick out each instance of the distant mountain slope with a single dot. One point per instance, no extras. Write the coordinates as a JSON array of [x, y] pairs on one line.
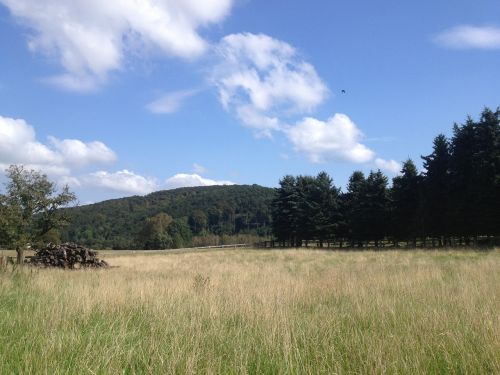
[[227, 210]]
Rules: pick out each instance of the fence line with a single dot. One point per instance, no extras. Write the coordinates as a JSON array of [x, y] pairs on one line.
[[223, 246]]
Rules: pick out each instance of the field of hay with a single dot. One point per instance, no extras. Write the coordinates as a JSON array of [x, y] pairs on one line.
[[256, 312]]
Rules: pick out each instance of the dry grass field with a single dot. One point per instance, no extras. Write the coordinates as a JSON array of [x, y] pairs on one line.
[[257, 312]]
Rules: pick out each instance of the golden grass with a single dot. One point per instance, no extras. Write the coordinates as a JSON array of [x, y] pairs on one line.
[[250, 311]]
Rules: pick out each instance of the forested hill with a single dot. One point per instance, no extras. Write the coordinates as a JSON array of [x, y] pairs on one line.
[[196, 211]]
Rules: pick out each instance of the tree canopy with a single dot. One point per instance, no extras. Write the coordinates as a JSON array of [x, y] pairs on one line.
[[29, 209]]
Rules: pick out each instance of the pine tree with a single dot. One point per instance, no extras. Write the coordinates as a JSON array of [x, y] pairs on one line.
[[436, 189], [405, 197], [353, 208], [376, 206], [486, 161], [285, 210]]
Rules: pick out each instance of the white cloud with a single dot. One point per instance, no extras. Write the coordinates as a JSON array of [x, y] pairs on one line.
[[190, 180], [91, 38], [391, 166], [171, 102], [123, 181], [18, 145], [78, 153], [336, 139], [199, 169], [263, 79], [466, 36]]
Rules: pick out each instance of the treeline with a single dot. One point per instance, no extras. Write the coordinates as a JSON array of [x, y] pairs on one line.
[[454, 201], [176, 218]]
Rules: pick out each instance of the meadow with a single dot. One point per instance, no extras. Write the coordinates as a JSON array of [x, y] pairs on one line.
[[256, 312]]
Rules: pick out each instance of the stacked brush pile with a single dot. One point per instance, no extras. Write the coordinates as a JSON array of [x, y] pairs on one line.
[[68, 255]]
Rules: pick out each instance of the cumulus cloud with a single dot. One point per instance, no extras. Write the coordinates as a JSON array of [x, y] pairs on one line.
[[391, 166], [466, 37], [190, 180], [123, 181], [171, 102], [263, 79], [338, 138], [77, 153], [19, 145], [90, 38]]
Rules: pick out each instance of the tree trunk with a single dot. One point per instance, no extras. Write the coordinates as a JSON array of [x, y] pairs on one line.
[[20, 256]]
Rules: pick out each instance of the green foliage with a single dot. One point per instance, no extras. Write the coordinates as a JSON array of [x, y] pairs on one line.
[[406, 197], [217, 210], [305, 208], [29, 210], [457, 196]]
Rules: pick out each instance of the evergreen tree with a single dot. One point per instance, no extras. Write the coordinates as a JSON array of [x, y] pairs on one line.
[[353, 208], [486, 161], [376, 206], [285, 210], [436, 192], [462, 180], [405, 197]]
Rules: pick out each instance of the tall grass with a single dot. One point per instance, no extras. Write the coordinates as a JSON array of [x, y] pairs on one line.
[[244, 311]]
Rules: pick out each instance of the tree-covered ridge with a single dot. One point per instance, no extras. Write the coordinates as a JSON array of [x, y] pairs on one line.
[[218, 210], [454, 200]]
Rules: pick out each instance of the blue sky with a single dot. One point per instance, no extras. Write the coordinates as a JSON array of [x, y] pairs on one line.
[[121, 97]]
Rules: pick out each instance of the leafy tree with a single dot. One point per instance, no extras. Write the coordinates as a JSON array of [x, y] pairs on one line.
[[180, 233], [198, 221], [30, 208], [154, 234]]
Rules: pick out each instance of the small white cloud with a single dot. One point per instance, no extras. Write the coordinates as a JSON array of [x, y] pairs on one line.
[[171, 102], [467, 37], [262, 79], [91, 38], [191, 180], [199, 169], [78, 153], [391, 166], [123, 181], [336, 139]]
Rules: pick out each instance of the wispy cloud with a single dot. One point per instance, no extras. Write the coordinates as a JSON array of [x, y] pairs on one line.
[[469, 37], [170, 102], [262, 80], [91, 40]]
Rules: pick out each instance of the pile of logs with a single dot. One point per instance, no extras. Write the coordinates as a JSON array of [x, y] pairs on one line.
[[68, 255]]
